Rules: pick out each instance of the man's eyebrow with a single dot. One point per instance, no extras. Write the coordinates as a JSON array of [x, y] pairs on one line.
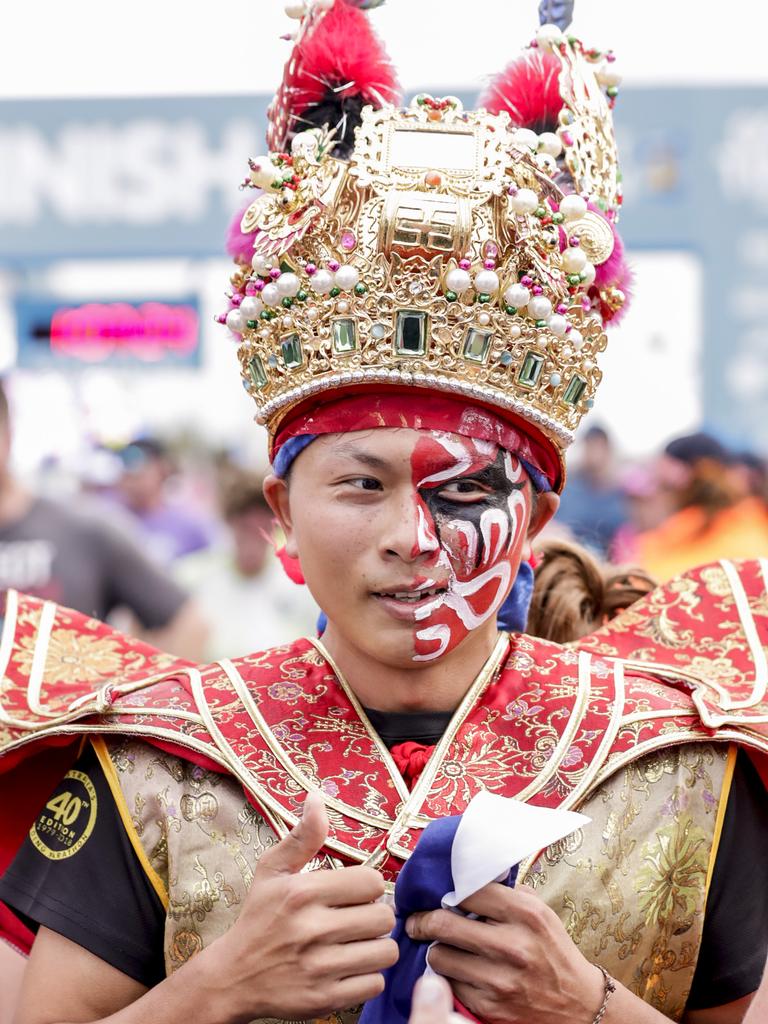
[[350, 451]]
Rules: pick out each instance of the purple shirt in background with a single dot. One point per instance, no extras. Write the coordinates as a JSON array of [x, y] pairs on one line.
[[171, 532]]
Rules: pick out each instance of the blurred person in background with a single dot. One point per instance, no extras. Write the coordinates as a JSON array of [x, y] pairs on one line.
[[712, 514], [85, 563], [245, 597], [169, 529], [593, 506]]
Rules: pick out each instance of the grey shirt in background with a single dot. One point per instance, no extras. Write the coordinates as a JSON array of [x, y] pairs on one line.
[[84, 563]]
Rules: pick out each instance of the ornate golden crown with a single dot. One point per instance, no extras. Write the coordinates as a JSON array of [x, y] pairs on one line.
[[432, 258]]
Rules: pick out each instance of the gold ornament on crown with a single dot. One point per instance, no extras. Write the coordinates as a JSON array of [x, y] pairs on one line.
[[431, 259]]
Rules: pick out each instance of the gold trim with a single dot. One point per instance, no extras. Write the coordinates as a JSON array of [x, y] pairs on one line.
[[744, 737], [39, 658], [725, 791], [409, 816], [239, 771], [398, 780], [575, 719], [108, 768], [752, 638], [283, 756], [596, 761], [609, 736], [647, 716]]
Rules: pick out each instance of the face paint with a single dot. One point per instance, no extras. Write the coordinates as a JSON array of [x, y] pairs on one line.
[[473, 547]]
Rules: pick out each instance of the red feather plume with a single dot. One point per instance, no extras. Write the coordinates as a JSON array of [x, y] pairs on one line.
[[343, 51], [528, 90]]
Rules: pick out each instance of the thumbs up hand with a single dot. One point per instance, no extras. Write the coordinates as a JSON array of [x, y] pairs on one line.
[[306, 943]]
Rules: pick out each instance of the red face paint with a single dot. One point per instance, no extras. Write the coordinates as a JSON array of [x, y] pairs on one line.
[[472, 509]]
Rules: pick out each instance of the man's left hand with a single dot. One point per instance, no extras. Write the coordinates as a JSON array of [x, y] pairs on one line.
[[516, 964]]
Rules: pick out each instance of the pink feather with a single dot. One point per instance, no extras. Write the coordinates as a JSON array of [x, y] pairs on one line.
[[238, 245], [615, 272], [528, 90]]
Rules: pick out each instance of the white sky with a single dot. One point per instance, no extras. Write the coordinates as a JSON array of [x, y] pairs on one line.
[[153, 47]]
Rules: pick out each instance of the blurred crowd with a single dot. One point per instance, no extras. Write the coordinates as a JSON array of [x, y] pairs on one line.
[[694, 502], [178, 546]]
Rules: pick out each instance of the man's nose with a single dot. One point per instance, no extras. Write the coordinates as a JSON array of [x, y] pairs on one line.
[[411, 534]]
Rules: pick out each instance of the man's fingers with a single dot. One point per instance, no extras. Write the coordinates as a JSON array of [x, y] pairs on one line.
[[353, 991], [499, 903], [457, 964], [452, 930], [432, 1001], [353, 924], [353, 958], [303, 842], [346, 887]]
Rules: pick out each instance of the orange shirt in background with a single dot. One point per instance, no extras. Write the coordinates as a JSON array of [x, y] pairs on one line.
[[684, 540]]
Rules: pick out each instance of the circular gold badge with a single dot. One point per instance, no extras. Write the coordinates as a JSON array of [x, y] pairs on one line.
[[595, 234], [65, 823]]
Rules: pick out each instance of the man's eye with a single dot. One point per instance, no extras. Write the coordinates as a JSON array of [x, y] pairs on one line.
[[464, 490], [365, 483]]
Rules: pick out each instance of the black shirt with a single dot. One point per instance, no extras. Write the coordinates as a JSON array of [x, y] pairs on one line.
[[101, 898], [84, 563]]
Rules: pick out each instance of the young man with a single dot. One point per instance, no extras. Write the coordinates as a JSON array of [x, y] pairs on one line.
[[420, 349]]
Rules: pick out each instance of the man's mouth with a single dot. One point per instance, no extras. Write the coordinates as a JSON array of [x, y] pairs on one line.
[[411, 596]]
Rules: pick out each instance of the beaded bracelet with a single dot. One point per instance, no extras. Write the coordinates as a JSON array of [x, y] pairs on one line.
[[610, 988]]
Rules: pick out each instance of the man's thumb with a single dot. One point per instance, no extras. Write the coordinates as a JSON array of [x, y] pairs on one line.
[[302, 843]]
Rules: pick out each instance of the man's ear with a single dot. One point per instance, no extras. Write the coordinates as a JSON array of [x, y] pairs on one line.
[[278, 499], [543, 509]]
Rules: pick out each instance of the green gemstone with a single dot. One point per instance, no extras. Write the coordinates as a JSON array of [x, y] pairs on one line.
[[411, 332], [360, 289], [574, 279], [530, 371], [575, 389], [557, 218], [612, 90], [540, 212], [251, 323], [541, 323], [287, 302], [451, 296], [290, 346], [483, 297], [264, 314], [344, 335], [476, 345], [302, 296], [511, 310], [257, 372], [334, 292]]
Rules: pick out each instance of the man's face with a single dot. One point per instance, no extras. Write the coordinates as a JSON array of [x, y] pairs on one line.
[[409, 540]]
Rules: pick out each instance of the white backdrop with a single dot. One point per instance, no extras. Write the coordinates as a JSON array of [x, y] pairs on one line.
[[148, 47]]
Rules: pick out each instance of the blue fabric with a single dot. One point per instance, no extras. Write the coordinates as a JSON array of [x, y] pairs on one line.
[[293, 447], [425, 878], [556, 12], [513, 614]]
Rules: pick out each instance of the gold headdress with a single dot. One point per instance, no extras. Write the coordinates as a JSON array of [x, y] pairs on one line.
[[440, 256]]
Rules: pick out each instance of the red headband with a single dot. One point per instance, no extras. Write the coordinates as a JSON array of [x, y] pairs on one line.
[[401, 407]]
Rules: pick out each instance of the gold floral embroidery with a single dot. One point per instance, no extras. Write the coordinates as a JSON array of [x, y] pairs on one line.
[[630, 887], [72, 657]]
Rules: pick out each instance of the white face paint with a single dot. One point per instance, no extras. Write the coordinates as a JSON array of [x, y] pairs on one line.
[[479, 549]]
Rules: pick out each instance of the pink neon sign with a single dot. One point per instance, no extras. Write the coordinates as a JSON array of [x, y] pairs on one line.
[[150, 331]]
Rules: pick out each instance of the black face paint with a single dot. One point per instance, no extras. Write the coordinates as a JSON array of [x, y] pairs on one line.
[[496, 478]]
